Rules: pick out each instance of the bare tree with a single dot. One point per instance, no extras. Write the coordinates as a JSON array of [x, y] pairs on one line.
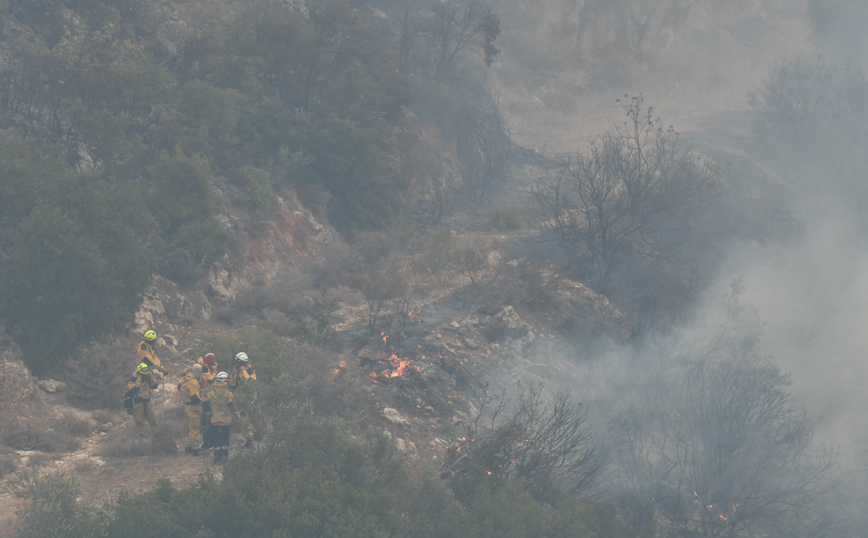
[[413, 25], [484, 150], [624, 210], [472, 261], [633, 194], [381, 284], [454, 29], [718, 445], [541, 438]]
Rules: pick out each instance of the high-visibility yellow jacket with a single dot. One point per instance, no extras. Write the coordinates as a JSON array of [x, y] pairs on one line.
[[240, 374], [188, 387], [146, 354], [145, 384], [219, 400]]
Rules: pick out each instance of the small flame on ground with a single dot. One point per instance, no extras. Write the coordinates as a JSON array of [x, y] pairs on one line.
[[340, 368], [397, 365]]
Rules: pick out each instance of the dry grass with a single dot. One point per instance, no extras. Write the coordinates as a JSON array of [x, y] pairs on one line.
[[85, 466], [8, 464], [125, 443], [36, 436], [102, 416], [39, 459], [75, 426]]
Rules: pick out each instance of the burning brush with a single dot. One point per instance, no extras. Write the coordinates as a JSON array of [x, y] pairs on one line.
[[395, 366]]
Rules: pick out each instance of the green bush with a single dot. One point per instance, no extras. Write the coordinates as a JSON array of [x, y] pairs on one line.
[[113, 359], [314, 476], [505, 219], [77, 260], [53, 509], [60, 290], [182, 202]]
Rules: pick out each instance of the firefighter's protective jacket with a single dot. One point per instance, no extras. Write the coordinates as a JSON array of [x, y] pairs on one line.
[[189, 388], [219, 400], [146, 354], [141, 387], [208, 372], [240, 374]]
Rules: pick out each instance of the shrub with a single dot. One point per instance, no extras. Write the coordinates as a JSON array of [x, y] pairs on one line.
[[53, 509], [438, 253], [38, 459], [183, 205], [8, 464], [505, 219], [85, 465], [50, 316], [35, 436], [125, 448], [101, 416], [75, 426], [123, 444], [15, 384], [99, 372], [164, 438], [77, 260]]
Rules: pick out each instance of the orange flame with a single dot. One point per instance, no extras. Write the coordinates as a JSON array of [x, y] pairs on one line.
[[397, 364]]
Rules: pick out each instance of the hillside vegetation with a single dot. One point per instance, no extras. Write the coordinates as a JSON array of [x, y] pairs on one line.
[[327, 183]]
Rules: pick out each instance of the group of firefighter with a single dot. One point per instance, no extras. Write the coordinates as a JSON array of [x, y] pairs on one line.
[[209, 397]]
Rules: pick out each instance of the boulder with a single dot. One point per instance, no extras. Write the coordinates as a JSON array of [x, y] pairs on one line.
[[393, 416], [583, 314], [50, 385], [16, 383]]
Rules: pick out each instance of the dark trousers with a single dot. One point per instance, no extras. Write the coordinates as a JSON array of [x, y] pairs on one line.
[[218, 438]]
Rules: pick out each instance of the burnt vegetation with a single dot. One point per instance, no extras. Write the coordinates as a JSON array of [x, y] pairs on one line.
[[623, 211], [129, 150]]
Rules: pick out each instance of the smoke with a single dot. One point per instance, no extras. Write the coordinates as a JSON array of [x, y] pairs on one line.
[[812, 297]]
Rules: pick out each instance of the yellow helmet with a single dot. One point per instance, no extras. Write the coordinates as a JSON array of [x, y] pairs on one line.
[[150, 336], [143, 369]]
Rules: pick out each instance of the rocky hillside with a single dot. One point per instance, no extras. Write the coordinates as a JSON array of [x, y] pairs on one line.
[[414, 323]]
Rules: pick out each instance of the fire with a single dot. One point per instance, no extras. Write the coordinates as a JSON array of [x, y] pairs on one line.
[[340, 368], [396, 367], [385, 338]]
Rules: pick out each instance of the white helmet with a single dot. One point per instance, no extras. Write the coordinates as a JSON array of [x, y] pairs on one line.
[[221, 376], [242, 357]]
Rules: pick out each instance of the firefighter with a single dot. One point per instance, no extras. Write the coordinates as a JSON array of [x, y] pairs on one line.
[[138, 398], [241, 374], [219, 407], [189, 389], [209, 367], [146, 354], [209, 370]]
